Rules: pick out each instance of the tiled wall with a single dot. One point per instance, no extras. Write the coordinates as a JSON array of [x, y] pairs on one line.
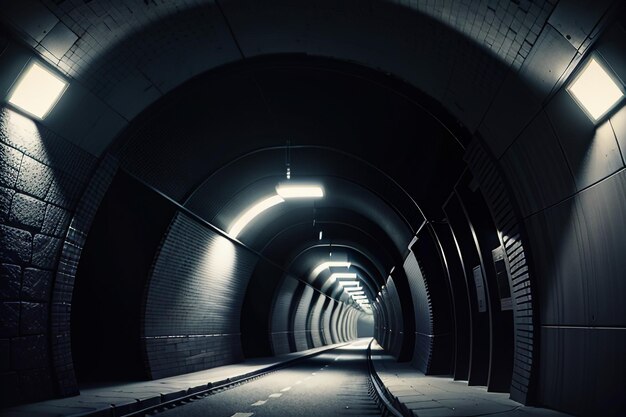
[[566, 176], [198, 283], [194, 302], [423, 314]]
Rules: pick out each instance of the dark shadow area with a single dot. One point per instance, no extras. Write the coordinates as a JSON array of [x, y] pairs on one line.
[[257, 309], [114, 267]]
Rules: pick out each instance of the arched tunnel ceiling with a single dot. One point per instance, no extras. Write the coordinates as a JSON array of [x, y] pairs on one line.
[[127, 56], [194, 91], [339, 113], [225, 133]]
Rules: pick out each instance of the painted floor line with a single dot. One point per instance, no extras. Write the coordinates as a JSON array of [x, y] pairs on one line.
[[285, 389], [298, 382], [275, 395], [260, 402], [242, 415]]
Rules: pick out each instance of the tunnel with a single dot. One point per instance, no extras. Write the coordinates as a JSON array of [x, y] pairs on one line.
[[408, 208]]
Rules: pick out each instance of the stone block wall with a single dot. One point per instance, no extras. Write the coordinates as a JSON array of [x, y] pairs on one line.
[[42, 177]]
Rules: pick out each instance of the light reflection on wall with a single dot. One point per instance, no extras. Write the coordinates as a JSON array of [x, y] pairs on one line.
[[22, 131], [221, 257]]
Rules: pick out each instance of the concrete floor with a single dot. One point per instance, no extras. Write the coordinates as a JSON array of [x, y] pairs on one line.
[[433, 396], [120, 399], [330, 383]]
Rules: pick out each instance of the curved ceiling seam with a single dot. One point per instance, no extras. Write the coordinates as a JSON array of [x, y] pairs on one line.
[[372, 284], [375, 261], [221, 232], [322, 245], [349, 225], [326, 148]]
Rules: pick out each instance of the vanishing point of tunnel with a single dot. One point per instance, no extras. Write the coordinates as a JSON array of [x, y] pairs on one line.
[[312, 208]]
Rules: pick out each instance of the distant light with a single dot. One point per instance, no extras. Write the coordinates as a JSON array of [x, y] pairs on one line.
[[341, 275], [243, 220], [330, 264], [299, 191], [595, 90], [37, 90], [321, 234], [348, 283], [288, 173]]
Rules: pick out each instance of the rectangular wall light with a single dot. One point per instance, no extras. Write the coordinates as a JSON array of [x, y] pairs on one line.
[[595, 90], [37, 90]]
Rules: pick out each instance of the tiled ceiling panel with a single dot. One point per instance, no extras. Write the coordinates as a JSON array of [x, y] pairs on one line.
[[134, 34], [508, 28]]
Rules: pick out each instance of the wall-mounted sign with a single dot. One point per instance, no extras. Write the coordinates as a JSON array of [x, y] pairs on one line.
[[480, 289], [502, 278]]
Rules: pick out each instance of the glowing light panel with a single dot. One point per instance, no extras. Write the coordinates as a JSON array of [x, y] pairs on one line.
[[37, 91], [329, 264], [595, 90], [341, 275], [243, 220], [287, 191], [348, 283]]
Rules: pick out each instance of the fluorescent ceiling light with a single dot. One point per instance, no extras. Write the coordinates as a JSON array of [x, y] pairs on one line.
[[349, 283], [287, 191], [595, 90], [341, 275], [363, 301], [37, 90], [354, 292], [330, 264], [350, 289], [359, 297], [243, 220]]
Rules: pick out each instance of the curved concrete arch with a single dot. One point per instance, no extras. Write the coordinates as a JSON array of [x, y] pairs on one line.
[[552, 179]]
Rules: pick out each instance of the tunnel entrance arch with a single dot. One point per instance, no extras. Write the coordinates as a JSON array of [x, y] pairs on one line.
[[138, 166]]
